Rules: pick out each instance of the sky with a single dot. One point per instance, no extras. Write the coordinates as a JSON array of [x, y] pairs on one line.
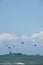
[[21, 20]]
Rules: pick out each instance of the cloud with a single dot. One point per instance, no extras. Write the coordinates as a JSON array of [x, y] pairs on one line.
[[38, 35], [24, 38], [34, 38], [7, 36], [37, 38]]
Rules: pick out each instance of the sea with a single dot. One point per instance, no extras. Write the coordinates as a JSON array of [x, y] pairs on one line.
[[22, 59]]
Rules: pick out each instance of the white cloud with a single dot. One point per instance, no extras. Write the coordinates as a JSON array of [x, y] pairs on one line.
[[33, 41], [7, 36], [24, 38], [37, 38], [38, 35], [34, 38]]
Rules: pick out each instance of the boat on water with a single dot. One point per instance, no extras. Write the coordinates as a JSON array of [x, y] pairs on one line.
[[15, 53]]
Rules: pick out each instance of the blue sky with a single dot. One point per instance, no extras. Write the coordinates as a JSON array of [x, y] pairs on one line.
[[21, 20]]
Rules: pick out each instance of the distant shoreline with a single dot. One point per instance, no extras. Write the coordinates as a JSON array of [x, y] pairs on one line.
[[21, 54]]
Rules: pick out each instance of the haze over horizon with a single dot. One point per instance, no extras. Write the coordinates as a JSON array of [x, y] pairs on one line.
[[21, 20]]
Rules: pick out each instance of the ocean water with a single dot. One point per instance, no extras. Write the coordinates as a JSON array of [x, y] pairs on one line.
[[21, 60]]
